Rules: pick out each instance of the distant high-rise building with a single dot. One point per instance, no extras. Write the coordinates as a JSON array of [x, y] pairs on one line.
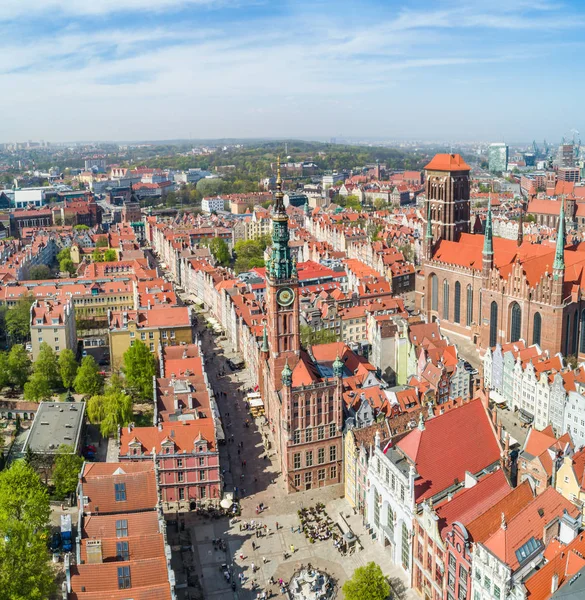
[[529, 159], [565, 156], [498, 157]]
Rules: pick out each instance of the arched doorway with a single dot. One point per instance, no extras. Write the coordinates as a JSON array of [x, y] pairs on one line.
[[515, 322]]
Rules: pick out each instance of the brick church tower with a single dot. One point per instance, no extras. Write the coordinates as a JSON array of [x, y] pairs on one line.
[[447, 198]]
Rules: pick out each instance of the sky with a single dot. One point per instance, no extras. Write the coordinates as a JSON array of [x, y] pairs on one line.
[[445, 70]]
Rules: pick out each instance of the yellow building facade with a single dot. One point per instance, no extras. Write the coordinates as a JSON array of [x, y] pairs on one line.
[[154, 337], [569, 478]]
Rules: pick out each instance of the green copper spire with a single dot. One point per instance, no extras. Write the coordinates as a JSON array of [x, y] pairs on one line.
[[264, 347], [286, 375], [280, 265], [559, 263], [488, 242], [429, 234], [338, 367]]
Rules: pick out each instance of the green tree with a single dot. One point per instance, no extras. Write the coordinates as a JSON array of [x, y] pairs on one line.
[[46, 366], [353, 202], [4, 370], [407, 251], [314, 338], [67, 266], [37, 388], [111, 411], [110, 255], [139, 369], [379, 203], [88, 380], [367, 582], [250, 253], [25, 570], [19, 365], [64, 254], [18, 320], [39, 272], [67, 367], [102, 242], [66, 471], [97, 255], [80, 227], [219, 248]]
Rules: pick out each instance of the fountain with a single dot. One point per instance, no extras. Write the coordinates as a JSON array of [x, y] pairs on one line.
[[310, 584]]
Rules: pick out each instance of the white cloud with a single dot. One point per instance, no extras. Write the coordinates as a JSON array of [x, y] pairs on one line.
[[286, 76], [10, 9]]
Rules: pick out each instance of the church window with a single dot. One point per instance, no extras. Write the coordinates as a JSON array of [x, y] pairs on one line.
[[434, 292], [567, 335], [575, 332], [469, 319], [405, 546], [457, 304], [582, 340], [493, 323], [536, 328], [445, 299], [516, 322]]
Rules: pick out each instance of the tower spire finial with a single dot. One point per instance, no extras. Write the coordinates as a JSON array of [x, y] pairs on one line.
[[559, 263], [488, 242], [278, 196]]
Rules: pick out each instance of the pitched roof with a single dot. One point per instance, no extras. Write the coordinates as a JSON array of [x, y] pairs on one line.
[[527, 524], [99, 481], [472, 502], [510, 505], [447, 162], [567, 561], [448, 447]]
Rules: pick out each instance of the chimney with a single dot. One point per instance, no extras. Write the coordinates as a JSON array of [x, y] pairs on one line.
[[554, 584]]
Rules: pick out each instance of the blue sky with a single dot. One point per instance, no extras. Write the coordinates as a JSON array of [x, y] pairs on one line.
[[161, 69]]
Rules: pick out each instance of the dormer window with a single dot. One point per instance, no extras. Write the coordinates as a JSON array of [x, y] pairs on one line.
[[120, 490], [39, 321]]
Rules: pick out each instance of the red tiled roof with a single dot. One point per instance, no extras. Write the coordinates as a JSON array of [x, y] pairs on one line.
[[485, 524], [566, 563], [447, 162], [100, 581], [448, 447], [528, 523], [472, 502], [99, 481], [182, 433]]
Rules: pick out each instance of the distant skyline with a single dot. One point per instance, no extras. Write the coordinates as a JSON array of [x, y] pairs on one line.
[[167, 69]]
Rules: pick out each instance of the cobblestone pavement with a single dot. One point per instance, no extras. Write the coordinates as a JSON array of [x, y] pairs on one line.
[[256, 479]]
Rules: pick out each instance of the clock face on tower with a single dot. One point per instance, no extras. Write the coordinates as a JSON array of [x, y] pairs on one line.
[[285, 296]]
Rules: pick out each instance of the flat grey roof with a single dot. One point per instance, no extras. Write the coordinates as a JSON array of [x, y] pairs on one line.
[[56, 423]]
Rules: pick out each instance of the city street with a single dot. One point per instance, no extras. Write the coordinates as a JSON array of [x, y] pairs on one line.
[[256, 479]]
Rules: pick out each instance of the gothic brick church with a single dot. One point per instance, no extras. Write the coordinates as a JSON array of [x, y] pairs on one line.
[[495, 290], [302, 391]]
